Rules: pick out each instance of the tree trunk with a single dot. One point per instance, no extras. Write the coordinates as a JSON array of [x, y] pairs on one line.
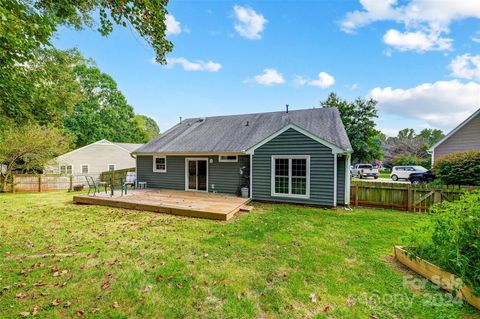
[[5, 182]]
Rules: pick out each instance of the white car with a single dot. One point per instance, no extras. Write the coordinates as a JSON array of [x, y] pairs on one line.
[[403, 172]]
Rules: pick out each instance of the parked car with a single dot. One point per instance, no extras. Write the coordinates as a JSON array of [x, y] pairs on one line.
[[403, 172], [421, 178], [364, 170]]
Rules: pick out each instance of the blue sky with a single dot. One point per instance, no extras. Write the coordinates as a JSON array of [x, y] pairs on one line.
[[419, 58]]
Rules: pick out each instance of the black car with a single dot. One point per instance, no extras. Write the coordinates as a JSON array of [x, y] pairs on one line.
[[421, 178]]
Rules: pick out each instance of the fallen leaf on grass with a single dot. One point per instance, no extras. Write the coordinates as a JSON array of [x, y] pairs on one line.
[[159, 278], [67, 304], [148, 288], [80, 313], [313, 297], [56, 302], [35, 311], [179, 285], [21, 295], [24, 314], [115, 305], [106, 284], [326, 308], [39, 284], [94, 310]]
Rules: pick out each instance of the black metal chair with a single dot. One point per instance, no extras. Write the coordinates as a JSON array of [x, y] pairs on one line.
[[96, 186]]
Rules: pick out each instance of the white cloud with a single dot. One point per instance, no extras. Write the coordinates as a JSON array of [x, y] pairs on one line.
[[441, 104], [388, 131], [432, 18], [198, 65], [173, 26], [416, 41], [269, 77], [324, 80], [250, 24], [476, 39], [466, 66]]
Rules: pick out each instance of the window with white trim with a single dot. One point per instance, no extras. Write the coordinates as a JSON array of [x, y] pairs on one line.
[[85, 169], [228, 158], [66, 169], [291, 176], [160, 164], [111, 167]]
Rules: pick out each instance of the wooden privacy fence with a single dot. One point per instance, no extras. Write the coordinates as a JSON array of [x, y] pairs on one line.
[[403, 196], [23, 183], [116, 176]]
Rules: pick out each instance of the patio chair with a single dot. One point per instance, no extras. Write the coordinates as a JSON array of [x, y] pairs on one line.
[[95, 185], [130, 179]]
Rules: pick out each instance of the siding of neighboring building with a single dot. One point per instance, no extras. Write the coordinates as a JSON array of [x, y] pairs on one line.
[[341, 180], [222, 177], [292, 142], [97, 156], [466, 138]]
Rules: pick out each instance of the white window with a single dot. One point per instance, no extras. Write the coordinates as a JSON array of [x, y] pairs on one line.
[[291, 176], [160, 164], [228, 158], [111, 167], [85, 169], [66, 169]]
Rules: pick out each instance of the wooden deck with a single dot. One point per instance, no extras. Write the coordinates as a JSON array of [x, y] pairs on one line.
[[175, 202]]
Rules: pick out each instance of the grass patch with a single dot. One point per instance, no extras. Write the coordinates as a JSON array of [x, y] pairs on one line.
[[279, 261]]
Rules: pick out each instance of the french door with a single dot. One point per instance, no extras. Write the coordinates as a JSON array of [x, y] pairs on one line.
[[196, 174]]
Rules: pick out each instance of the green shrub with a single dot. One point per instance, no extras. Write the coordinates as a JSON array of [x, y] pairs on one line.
[[450, 238], [412, 160], [459, 168]]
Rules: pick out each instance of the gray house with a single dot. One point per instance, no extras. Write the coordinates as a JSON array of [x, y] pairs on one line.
[[95, 158], [464, 137], [299, 156]]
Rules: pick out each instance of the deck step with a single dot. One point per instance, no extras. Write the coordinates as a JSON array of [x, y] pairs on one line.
[[246, 208]]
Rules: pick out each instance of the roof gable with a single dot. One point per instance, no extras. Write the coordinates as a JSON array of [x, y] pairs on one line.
[[238, 133], [122, 146], [455, 130]]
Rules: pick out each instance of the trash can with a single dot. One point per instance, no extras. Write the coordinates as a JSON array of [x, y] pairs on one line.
[[244, 192]]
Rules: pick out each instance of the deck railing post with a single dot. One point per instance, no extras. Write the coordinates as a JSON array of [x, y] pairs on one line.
[[409, 198], [39, 183]]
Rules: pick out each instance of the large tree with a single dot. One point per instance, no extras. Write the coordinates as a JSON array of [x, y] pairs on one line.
[[28, 146], [103, 111], [148, 126], [358, 117]]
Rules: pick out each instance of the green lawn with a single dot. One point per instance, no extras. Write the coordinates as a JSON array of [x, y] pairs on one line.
[[279, 261]]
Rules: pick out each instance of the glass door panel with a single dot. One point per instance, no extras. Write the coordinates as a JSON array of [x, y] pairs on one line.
[[202, 175], [192, 175]]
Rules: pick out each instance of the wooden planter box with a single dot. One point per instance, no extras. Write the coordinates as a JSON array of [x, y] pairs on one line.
[[436, 275]]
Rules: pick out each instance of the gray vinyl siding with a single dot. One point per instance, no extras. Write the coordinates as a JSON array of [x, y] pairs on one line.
[[341, 180], [466, 138], [292, 142], [223, 177]]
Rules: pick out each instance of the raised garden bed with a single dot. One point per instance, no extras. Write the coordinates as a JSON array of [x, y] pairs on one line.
[[436, 275]]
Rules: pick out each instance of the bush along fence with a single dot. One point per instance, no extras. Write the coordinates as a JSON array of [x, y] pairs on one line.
[[402, 196]]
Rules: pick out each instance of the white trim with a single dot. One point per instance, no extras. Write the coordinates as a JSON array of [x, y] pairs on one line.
[[114, 167], [455, 130], [155, 170], [335, 189], [187, 153], [227, 160], [335, 149], [88, 168], [251, 176], [207, 160], [348, 160], [272, 176]]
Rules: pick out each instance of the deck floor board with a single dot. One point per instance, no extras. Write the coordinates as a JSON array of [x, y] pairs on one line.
[[176, 202]]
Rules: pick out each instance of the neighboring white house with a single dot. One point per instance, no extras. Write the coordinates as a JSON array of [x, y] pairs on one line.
[[95, 158]]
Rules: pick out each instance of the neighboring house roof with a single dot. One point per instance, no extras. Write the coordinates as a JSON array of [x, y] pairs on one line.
[[455, 130], [128, 147], [238, 133]]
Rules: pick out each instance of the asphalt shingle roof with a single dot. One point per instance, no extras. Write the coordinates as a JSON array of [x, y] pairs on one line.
[[237, 133]]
